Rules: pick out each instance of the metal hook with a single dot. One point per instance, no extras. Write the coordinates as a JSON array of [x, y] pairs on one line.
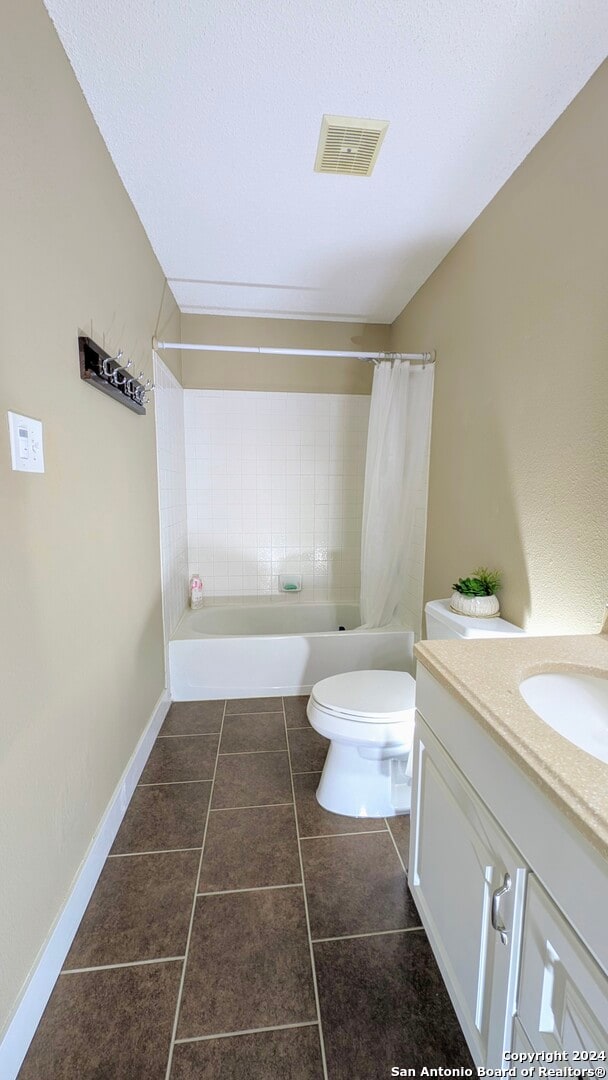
[[122, 367], [111, 360]]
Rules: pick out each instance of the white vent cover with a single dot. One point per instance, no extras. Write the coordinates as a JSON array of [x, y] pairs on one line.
[[349, 145]]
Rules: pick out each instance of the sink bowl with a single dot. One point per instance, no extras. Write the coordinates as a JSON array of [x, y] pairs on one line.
[[576, 706]]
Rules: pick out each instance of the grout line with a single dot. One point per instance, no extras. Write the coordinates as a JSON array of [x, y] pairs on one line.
[[307, 772], [169, 783], [252, 806], [130, 963], [372, 933], [246, 1031], [261, 712], [308, 931], [357, 832], [157, 851], [255, 888], [240, 753], [189, 735], [192, 913], [396, 848]]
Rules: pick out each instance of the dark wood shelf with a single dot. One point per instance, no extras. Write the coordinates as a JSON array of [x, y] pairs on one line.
[[92, 357]]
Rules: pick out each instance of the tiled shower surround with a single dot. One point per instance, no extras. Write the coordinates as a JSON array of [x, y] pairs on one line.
[[275, 485], [169, 406]]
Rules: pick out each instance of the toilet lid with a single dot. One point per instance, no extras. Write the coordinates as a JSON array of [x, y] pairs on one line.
[[367, 695]]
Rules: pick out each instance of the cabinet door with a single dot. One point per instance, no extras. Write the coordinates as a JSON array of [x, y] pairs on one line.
[[563, 997], [460, 859]]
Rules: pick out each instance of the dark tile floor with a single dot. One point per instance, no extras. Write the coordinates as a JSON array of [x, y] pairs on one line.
[[240, 932]]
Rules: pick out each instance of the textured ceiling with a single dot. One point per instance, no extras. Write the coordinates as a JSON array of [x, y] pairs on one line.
[[212, 111]]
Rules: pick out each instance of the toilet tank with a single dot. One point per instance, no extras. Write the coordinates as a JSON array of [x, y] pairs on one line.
[[442, 622]]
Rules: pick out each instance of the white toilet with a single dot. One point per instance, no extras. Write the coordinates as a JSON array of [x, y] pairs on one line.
[[369, 718]]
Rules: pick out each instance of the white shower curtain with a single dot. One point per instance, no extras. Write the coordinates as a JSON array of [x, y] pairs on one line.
[[395, 470]]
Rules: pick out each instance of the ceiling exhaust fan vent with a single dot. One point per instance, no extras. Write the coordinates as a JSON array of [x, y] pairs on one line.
[[348, 145]]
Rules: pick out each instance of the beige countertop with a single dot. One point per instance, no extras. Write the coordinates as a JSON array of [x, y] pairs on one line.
[[484, 675]]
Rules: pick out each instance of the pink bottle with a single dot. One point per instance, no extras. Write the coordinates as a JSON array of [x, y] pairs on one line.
[[196, 592]]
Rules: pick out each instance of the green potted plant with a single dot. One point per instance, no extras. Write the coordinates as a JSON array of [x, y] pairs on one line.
[[476, 595]]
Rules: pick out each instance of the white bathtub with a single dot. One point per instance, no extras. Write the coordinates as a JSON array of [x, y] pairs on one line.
[[260, 650]]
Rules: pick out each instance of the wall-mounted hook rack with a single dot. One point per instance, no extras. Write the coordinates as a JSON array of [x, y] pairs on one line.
[[109, 374]]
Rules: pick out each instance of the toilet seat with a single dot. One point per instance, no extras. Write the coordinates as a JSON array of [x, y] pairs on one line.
[[369, 697], [368, 717]]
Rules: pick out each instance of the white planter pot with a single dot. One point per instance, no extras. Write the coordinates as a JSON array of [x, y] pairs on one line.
[[477, 607]]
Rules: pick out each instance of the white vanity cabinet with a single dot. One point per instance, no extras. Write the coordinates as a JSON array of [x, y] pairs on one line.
[[500, 877], [469, 885], [563, 997]]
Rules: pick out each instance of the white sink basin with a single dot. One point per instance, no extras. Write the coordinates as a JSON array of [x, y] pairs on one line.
[[576, 706]]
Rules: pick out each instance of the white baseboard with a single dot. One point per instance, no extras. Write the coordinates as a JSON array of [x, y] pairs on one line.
[[239, 690], [49, 962]]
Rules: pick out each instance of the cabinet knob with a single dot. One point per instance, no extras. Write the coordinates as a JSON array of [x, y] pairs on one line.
[[497, 922]]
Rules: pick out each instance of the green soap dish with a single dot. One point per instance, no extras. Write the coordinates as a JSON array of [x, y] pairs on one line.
[[290, 583]]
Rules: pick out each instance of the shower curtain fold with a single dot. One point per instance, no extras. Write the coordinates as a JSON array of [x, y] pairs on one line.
[[395, 471]]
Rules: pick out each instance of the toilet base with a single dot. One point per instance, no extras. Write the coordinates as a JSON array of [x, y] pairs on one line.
[[356, 786]]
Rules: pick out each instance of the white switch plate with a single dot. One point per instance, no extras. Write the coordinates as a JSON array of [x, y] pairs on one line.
[[27, 453]]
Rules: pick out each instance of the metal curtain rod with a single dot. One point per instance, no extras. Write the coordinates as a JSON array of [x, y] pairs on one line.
[[425, 358]]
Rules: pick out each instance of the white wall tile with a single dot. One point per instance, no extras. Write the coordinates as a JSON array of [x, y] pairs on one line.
[[274, 482], [173, 497]]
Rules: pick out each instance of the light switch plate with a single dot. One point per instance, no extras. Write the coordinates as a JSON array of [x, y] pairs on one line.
[[27, 453]]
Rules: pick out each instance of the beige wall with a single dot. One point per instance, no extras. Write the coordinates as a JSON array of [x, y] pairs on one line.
[[242, 371], [519, 466], [81, 640], [518, 313]]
